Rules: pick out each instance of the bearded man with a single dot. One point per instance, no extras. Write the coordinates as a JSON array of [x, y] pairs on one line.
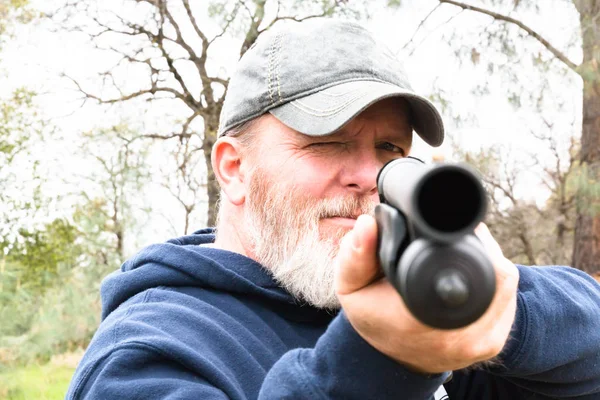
[[286, 300]]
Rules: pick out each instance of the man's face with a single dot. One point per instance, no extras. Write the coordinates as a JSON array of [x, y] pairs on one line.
[[305, 194]]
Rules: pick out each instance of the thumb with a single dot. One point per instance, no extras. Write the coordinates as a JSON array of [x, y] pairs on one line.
[[488, 241], [357, 265]]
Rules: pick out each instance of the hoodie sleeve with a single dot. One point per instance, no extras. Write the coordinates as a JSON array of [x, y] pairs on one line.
[[343, 366], [554, 350], [555, 345]]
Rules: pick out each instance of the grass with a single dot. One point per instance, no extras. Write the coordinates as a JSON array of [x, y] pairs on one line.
[[46, 382]]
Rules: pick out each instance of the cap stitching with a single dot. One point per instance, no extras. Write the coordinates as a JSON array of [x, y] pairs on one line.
[[270, 69], [269, 75], [279, 40]]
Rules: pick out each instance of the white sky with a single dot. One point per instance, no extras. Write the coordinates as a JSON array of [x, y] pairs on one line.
[[37, 57]]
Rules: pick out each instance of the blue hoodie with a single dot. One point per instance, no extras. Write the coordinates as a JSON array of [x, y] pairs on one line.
[[181, 321]]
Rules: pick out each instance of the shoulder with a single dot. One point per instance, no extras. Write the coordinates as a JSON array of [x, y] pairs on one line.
[[186, 333]]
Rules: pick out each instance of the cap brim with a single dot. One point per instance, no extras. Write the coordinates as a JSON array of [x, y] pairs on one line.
[[324, 112]]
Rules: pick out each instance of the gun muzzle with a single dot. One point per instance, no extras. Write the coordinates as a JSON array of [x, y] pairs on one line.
[[427, 247], [444, 202]]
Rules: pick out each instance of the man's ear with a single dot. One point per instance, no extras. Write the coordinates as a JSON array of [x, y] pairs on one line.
[[226, 159]]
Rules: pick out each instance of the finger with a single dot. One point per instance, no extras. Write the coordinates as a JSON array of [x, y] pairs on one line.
[[489, 243], [357, 264], [504, 267], [507, 278]]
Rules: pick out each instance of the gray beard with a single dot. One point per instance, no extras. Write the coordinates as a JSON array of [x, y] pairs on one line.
[[306, 269], [284, 231]]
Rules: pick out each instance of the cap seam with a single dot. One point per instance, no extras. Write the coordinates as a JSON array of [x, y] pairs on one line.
[[277, 65], [272, 67]]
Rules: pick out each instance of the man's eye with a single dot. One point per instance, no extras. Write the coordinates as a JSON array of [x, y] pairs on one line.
[[387, 146], [327, 144]]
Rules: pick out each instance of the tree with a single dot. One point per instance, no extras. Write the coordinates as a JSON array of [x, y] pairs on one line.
[[21, 128], [40, 254], [50, 273], [188, 184], [529, 233], [20, 199], [170, 43], [586, 251], [113, 199]]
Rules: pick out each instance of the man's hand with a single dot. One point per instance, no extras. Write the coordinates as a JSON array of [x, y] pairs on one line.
[[378, 314]]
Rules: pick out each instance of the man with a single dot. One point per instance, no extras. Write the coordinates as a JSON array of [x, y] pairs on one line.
[[288, 300]]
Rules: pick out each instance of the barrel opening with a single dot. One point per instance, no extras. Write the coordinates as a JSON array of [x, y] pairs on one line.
[[450, 200]]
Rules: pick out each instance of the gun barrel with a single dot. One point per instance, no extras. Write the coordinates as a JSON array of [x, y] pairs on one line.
[[443, 202]]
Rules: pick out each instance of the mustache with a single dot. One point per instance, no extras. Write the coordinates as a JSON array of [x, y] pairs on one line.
[[349, 207]]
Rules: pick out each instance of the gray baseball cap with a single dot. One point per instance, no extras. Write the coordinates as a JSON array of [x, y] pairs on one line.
[[315, 76]]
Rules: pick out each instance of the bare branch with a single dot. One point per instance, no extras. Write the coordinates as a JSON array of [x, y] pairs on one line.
[[508, 192], [198, 61], [179, 40], [224, 82], [421, 24], [130, 96], [180, 136], [188, 121], [192, 19], [243, 3], [231, 18], [325, 12], [257, 18], [557, 53], [435, 29], [164, 12]]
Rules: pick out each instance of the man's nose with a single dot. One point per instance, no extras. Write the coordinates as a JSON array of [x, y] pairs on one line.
[[361, 173]]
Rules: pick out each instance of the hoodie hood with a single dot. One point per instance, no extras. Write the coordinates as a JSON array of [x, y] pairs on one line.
[[182, 262]]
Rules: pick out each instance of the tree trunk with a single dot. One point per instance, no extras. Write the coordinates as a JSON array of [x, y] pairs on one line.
[[586, 250], [528, 248], [211, 125]]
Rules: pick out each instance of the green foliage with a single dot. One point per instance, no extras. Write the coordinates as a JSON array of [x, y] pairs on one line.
[[49, 291], [20, 132], [17, 308], [66, 319], [216, 9], [41, 253], [48, 382], [29, 258], [29, 267], [50, 274], [60, 316], [585, 182], [18, 124]]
